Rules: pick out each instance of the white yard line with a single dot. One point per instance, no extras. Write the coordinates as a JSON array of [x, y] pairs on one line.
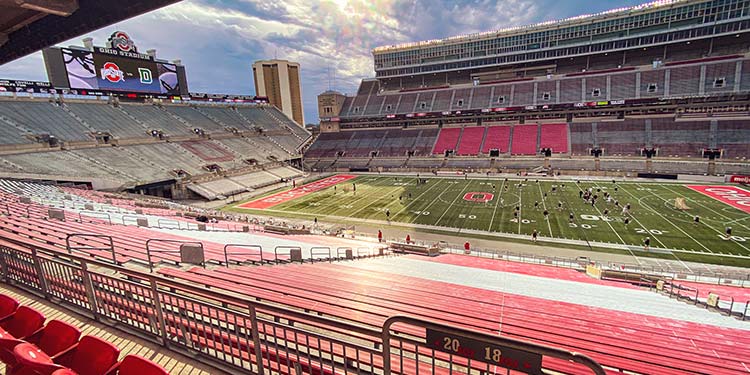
[[710, 209], [451, 205], [691, 237], [374, 200], [497, 204], [416, 199], [544, 205], [617, 233]]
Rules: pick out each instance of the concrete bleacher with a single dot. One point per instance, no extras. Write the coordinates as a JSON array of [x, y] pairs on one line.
[[554, 136], [106, 118], [194, 118], [41, 117], [471, 140], [497, 138], [447, 140], [426, 293], [153, 117], [524, 140]]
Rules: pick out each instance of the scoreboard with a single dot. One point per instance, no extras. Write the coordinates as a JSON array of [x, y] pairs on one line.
[[113, 70]]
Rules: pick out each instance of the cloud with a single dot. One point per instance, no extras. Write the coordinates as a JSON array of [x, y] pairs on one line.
[[218, 40]]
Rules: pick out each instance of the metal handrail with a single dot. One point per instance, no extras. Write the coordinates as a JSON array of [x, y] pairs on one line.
[[287, 248], [321, 250], [94, 214], [543, 350], [111, 247], [344, 249], [160, 240], [236, 245]]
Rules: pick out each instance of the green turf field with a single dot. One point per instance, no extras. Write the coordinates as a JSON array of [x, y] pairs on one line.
[[440, 203]]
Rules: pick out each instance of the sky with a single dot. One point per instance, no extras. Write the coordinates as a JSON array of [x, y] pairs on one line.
[[218, 40]]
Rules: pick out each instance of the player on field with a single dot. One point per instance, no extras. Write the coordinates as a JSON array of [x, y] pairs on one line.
[[536, 205], [534, 235], [646, 243], [696, 220], [546, 215], [570, 218], [728, 231]]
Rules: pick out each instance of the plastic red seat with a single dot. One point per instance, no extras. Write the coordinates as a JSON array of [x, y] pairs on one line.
[[54, 338], [135, 365], [91, 356], [25, 322], [64, 371], [8, 306]]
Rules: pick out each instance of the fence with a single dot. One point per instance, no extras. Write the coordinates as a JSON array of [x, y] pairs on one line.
[[244, 335]]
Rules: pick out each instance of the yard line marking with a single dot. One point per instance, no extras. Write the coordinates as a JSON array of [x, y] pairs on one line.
[[645, 205], [618, 233], [610, 225], [712, 210], [708, 226], [461, 194], [376, 200], [520, 201], [544, 204], [497, 203], [337, 200], [417, 199]]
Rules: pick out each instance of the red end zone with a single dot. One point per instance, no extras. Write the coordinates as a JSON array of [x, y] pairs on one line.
[[733, 196], [297, 192]]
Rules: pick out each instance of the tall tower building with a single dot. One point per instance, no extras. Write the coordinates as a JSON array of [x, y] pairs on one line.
[[279, 81]]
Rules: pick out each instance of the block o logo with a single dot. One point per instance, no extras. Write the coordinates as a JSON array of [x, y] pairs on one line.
[[478, 197]]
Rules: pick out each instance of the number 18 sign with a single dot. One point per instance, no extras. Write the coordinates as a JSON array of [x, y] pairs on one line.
[[485, 352]]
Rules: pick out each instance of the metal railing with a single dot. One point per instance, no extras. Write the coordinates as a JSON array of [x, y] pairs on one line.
[[251, 250], [150, 250], [78, 237], [238, 334]]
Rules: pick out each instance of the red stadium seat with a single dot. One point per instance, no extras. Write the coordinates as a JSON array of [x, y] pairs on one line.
[[64, 371], [8, 306], [25, 322], [54, 338], [91, 356], [135, 365]]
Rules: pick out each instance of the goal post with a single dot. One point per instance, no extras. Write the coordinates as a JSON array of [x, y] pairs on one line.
[[679, 204]]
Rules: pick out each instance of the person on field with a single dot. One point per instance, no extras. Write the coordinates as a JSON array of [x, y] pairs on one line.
[[467, 247], [696, 220], [627, 221], [380, 236], [546, 215], [534, 234], [570, 218], [646, 243], [408, 239], [728, 231]]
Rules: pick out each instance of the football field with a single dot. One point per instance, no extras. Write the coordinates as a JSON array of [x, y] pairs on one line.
[[517, 206]]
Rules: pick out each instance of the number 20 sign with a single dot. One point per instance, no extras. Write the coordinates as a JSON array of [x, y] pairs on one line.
[[492, 354]]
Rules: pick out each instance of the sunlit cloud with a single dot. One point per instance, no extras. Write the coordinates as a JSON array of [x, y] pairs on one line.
[[331, 39]]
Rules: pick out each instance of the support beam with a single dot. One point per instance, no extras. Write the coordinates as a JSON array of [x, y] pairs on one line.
[[61, 8]]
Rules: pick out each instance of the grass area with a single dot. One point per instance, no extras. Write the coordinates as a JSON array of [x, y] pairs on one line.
[[489, 206]]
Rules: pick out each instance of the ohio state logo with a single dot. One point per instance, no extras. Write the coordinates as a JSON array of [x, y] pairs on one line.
[[111, 72], [478, 197], [121, 41]]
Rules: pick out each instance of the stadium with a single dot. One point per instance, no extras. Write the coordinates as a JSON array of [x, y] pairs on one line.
[[568, 197]]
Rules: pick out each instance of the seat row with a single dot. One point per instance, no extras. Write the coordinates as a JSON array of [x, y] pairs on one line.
[[28, 346]]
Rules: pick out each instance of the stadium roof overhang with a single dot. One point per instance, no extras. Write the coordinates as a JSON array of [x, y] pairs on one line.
[[27, 26]]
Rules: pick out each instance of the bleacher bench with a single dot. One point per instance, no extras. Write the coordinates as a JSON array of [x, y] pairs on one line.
[[410, 248]]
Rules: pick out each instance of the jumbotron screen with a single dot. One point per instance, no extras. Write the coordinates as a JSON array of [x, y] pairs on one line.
[[87, 70]]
